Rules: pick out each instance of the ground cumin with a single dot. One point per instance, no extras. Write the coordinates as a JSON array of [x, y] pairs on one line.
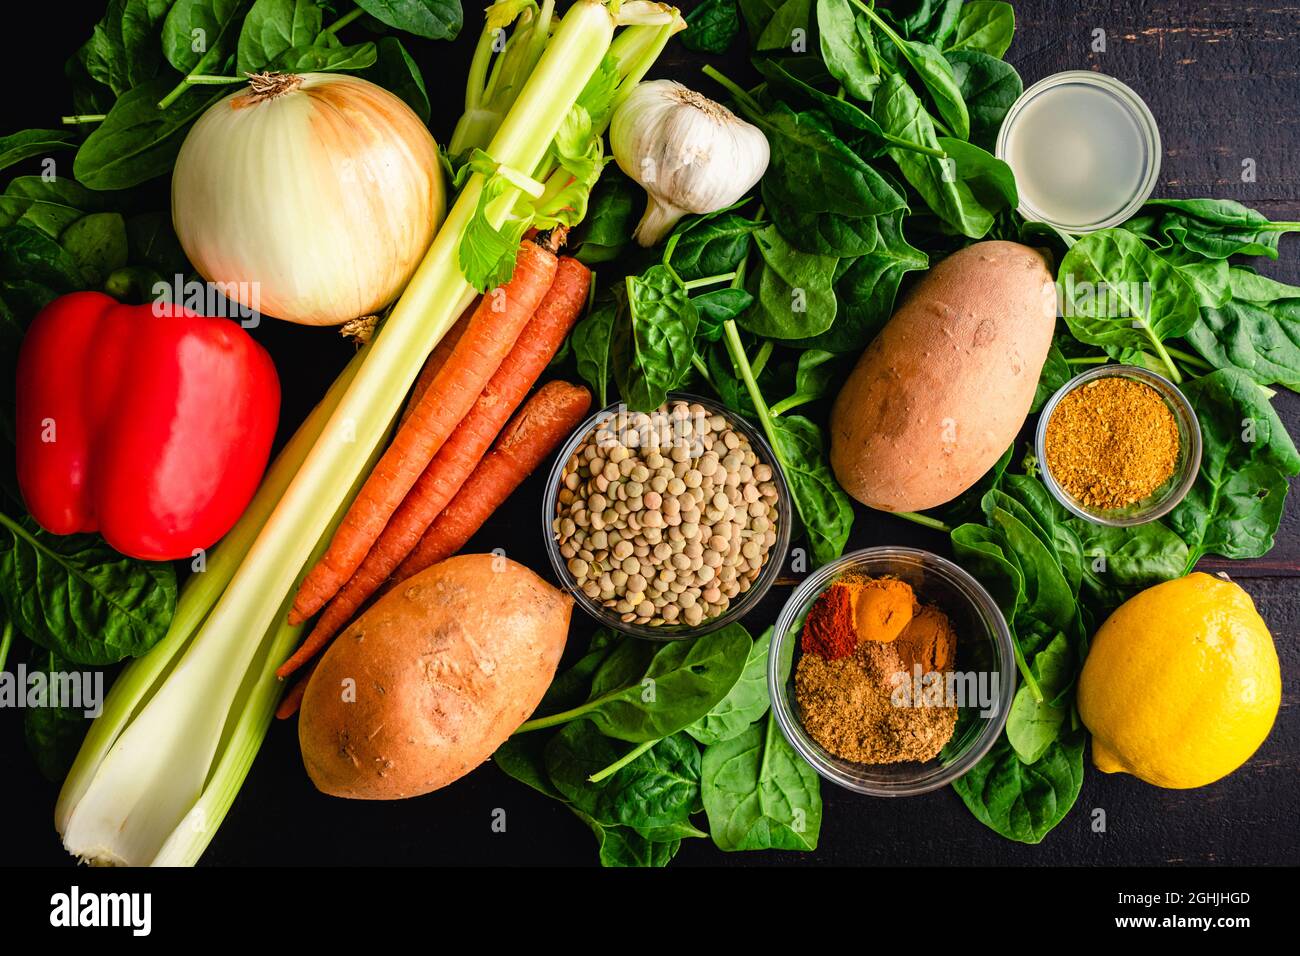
[[848, 704], [1111, 442]]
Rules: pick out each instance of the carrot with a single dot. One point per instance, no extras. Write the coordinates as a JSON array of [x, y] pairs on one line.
[[487, 339], [291, 701], [443, 477], [540, 426], [437, 359]]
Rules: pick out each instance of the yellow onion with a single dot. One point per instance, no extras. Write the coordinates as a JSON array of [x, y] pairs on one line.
[[309, 197]]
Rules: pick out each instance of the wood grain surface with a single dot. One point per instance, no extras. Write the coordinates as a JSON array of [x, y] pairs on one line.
[[1222, 80]]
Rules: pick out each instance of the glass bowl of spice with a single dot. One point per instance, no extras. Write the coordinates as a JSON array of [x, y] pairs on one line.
[[669, 524], [891, 671], [1118, 445]]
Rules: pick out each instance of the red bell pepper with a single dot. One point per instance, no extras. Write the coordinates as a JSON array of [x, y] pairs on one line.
[[149, 425]]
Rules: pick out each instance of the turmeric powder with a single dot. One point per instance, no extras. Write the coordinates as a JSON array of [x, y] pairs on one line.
[[882, 607]]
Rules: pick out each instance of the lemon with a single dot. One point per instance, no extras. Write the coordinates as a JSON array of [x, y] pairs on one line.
[[1181, 684]]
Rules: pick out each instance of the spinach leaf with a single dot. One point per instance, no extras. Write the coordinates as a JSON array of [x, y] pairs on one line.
[[1055, 374], [1032, 727], [989, 86], [592, 338], [152, 242], [29, 256], [1119, 294], [759, 794], [1256, 330], [396, 72], [612, 213], [899, 112], [1235, 506], [654, 338], [431, 19], [97, 242], [197, 35], [793, 292], [813, 171], [936, 76], [709, 245], [123, 52], [74, 595], [16, 147], [824, 509], [523, 757], [1119, 562], [984, 26], [711, 27], [776, 21], [930, 20], [866, 289], [274, 26], [657, 789], [623, 846], [1214, 228], [641, 693], [1023, 801], [989, 178], [746, 702], [138, 141], [847, 51], [326, 59], [53, 734], [719, 306]]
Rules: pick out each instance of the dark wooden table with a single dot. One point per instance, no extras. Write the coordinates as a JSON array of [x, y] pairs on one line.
[[1222, 80]]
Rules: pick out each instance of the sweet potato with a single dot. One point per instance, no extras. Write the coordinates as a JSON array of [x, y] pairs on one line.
[[942, 391], [428, 682]]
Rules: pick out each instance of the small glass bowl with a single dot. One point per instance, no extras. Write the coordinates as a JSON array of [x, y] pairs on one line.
[[743, 604], [983, 648], [1167, 496], [1138, 112]]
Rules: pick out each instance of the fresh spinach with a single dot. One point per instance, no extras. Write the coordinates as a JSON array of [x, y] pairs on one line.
[[745, 703], [711, 27], [592, 341], [431, 19], [930, 20], [1119, 562], [824, 509], [1119, 294], [326, 59], [846, 49], [123, 50], [1034, 725], [1021, 801], [989, 86], [198, 34], [709, 245], [654, 338], [657, 789], [396, 72], [74, 595], [990, 179], [759, 794], [899, 112], [1213, 228], [623, 846], [1255, 329], [16, 147], [98, 244], [53, 733], [793, 290], [983, 26], [1235, 506], [1056, 372], [612, 213], [273, 27], [776, 21], [936, 76], [138, 141], [718, 307]]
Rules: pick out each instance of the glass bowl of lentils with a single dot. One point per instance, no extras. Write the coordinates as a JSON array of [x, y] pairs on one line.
[[668, 524], [1118, 445]]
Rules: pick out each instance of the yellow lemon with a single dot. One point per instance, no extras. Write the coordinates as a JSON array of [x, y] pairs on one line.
[[1181, 684]]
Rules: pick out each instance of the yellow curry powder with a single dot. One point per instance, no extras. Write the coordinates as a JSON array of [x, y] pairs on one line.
[[1111, 442]]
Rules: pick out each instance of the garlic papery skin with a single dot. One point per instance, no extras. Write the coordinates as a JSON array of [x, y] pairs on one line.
[[690, 154], [316, 194]]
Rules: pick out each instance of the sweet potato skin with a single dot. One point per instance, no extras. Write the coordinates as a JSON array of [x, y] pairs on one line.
[[428, 682], [941, 392]]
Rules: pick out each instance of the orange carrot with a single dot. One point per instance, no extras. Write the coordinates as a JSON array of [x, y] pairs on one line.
[[540, 426], [291, 701], [437, 359], [534, 348], [491, 332]]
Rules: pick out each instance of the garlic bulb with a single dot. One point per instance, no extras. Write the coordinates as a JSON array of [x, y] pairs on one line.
[[691, 155], [317, 195]]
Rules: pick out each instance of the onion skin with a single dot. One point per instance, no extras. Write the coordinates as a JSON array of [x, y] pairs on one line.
[[321, 199]]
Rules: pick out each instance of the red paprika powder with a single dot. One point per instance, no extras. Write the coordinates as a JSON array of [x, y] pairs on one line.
[[829, 630]]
